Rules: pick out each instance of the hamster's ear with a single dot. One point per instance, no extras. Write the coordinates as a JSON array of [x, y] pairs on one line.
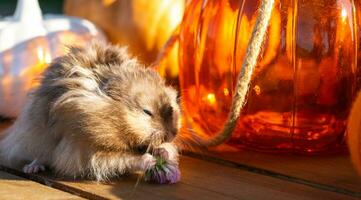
[[97, 54], [108, 54]]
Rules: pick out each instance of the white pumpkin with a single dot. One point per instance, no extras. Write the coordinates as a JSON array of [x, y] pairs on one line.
[[28, 42]]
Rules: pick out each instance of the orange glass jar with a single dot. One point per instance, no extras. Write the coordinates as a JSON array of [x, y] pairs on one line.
[[304, 82]]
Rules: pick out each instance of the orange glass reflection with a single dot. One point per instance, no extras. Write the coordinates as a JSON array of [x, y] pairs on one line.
[[304, 82]]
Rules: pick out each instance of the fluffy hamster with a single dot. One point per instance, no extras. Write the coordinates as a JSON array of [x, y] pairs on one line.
[[94, 114]]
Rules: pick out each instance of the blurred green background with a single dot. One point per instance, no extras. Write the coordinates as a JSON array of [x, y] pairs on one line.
[[7, 7]]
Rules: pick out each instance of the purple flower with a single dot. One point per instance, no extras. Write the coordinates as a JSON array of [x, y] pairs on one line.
[[163, 173]]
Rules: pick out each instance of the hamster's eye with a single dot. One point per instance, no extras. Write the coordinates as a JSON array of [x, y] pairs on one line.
[[148, 112]]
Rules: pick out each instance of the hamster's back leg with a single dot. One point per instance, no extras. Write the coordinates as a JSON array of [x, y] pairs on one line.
[[33, 167]]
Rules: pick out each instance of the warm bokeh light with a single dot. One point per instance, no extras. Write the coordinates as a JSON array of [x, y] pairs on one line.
[[257, 89], [156, 20], [6, 81], [211, 98], [343, 14], [226, 91], [108, 2]]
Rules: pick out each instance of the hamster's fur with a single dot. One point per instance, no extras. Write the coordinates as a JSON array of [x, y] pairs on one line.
[[94, 111]]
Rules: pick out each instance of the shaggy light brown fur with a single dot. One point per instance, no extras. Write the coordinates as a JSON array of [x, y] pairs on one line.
[[93, 111]]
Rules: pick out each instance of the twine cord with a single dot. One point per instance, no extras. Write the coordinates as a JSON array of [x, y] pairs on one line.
[[244, 79]]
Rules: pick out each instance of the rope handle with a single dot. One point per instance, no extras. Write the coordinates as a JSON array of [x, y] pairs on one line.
[[243, 79]]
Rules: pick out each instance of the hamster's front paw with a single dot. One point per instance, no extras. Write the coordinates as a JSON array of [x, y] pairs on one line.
[[161, 152], [168, 152], [147, 161]]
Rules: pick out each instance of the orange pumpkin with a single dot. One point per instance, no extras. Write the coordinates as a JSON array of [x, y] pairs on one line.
[[354, 133], [143, 25]]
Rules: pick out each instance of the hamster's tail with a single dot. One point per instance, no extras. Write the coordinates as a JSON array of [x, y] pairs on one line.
[[243, 80]]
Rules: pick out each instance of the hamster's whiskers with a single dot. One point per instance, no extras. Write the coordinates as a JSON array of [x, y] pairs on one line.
[[153, 136]]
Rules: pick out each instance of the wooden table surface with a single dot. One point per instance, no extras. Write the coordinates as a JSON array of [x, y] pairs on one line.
[[232, 174]]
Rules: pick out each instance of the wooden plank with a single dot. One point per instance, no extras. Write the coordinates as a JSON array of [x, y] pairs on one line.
[[202, 180], [249, 185], [329, 170], [14, 187], [205, 180], [125, 189]]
